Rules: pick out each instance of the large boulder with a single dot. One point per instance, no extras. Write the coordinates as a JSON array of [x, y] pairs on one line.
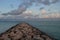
[[24, 31]]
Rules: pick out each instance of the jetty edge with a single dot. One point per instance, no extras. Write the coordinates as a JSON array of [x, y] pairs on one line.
[[24, 31]]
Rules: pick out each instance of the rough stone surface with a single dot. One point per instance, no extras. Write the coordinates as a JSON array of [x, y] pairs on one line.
[[24, 31]]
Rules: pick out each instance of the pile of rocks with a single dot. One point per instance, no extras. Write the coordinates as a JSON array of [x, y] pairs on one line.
[[24, 31]]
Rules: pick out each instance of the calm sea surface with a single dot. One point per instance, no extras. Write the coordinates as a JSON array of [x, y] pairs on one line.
[[52, 28]]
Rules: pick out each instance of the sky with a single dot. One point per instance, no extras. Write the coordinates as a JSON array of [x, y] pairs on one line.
[[29, 9]]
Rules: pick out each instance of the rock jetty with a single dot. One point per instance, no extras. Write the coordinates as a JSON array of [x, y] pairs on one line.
[[24, 31]]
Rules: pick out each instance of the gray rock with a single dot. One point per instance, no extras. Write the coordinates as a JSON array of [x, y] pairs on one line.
[[24, 31]]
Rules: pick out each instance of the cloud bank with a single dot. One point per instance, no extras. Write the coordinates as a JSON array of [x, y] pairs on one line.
[[21, 12]]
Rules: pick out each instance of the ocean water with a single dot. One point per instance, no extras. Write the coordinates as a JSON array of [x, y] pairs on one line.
[[52, 28]]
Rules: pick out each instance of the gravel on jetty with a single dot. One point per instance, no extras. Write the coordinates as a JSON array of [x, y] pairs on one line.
[[24, 31]]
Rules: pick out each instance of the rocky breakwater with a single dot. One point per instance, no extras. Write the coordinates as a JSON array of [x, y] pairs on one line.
[[24, 31]]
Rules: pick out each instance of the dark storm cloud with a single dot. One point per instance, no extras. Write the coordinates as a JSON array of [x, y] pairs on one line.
[[14, 12], [18, 11], [27, 3], [54, 1], [46, 2], [41, 8]]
